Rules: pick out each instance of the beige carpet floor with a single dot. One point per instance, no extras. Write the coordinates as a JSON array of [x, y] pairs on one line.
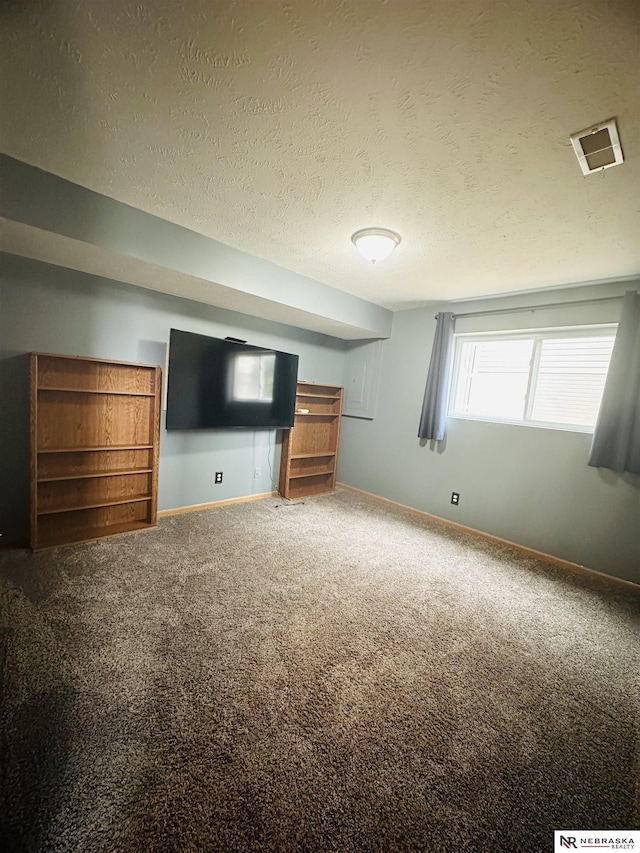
[[331, 675]]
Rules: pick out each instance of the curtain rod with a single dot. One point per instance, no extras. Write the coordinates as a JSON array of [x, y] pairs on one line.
[[537, 307]]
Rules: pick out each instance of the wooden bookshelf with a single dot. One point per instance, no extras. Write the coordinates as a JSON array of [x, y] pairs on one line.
[[310, 448], [95, 430]]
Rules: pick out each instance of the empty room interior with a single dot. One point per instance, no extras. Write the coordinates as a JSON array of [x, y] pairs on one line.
[[320, 374]]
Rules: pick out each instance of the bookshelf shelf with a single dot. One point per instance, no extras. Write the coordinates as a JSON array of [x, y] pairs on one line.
[[95, 429], [310, 448]]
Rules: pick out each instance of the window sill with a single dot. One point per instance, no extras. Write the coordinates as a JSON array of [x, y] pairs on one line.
[[535, 424]]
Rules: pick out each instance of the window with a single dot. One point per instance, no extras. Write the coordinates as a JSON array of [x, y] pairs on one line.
[[253, 377], [547, 378]]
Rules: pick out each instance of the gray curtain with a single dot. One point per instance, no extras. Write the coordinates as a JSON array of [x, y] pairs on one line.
[[616, 440], [436, 393]]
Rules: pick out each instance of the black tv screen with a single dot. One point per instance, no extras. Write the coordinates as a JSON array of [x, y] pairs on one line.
[[216, 384]]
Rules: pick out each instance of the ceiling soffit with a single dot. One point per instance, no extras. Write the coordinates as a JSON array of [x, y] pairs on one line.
[[280, 129]]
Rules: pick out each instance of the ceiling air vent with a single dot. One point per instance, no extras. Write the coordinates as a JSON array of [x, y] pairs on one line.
[[597, 147]]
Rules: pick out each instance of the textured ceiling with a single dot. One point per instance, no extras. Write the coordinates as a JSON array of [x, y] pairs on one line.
[[280, 128]]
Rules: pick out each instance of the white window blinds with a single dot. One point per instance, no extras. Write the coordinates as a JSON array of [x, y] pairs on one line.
[[545, 378]]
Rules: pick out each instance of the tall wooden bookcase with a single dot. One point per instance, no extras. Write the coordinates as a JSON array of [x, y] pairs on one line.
[[95, 431], [310, 448]]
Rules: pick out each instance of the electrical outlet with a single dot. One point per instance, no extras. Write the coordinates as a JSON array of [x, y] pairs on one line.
[[256, 474], [455, 498], [218, 477]]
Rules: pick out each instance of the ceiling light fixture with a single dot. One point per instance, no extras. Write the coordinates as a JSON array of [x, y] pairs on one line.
[[375, 244]]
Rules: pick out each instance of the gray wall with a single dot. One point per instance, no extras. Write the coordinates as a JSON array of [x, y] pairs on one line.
[[51, 309], [531, 486], [219, 274], [528, 485]]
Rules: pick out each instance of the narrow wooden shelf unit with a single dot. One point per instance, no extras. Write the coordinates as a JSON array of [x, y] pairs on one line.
[[310, 448], [95, 429]]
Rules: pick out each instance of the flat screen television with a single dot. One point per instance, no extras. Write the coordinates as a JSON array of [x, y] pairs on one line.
[[219, 384]]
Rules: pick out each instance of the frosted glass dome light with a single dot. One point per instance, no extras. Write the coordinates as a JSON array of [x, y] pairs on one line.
[[375, 244]]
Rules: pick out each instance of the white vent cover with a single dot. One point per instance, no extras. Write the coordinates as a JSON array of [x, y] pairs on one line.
[[598, 147]]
